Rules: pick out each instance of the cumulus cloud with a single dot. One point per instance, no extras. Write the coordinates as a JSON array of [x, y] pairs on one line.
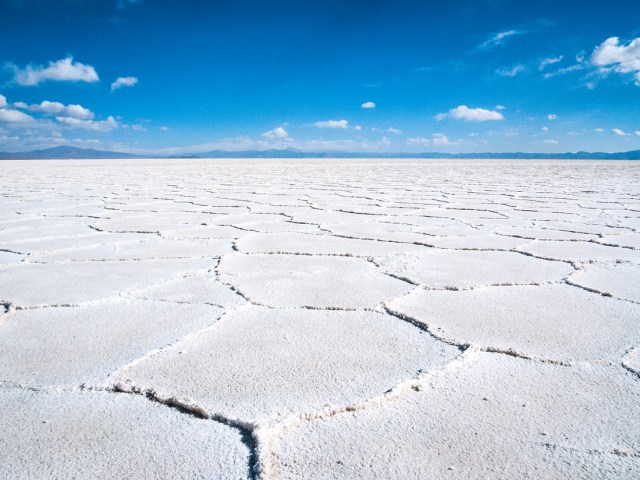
[[618, 132], [637, 133], [64, 70], [3, 101], [332, 124], [123, 82], [358, 127], [545, 129], [14, 116], [621, 58], [549, 61], [99, 126], [164, 129], [500, 107], [498, 39], [511, 71], [368, 105], [552, 116], [471, 114], [58, 109], [277, 132], [395, 131]]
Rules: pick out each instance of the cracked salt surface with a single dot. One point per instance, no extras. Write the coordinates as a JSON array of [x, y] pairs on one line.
[[310, 281], [106, 435], [323, 318], [84, 345], [499, 418], [259, 364], [463, 269], [553, 322]]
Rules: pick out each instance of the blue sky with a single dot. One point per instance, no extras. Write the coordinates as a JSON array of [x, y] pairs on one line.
[[152, 76]]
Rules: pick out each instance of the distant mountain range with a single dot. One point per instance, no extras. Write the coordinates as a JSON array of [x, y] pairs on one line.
[[63, 152]]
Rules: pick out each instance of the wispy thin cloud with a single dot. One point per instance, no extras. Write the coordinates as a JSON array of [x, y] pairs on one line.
[[511, 71], [498, 39], [332, 124], [549, 61]]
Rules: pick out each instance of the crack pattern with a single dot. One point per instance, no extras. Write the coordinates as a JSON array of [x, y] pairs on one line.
[[399, 241]]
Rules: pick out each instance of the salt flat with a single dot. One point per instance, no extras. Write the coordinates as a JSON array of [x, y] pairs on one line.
[[272, 319]]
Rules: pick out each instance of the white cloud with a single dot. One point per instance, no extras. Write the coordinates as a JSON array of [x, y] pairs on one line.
[[618, 132], [500, 107], [498, 39], [470, 114], [549, 61], [164, 129], [395, 131], [332, 124], [277, 132], [58, 109], [437, 139], [619, 57], [552, 116], [545, 129], [551, 142], [564, 71], [511, 71], [20, 105], [123, 82], [368, 105], [64, 70], [100, 126], [637, 133], [3, 101], [14, 116], [599, 130], [358, 127]]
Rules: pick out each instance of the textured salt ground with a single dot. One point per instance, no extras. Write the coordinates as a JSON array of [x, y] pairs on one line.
[[478, 242], [318, 244], [8, 258], [32, 285], [631, 361], [151, 248], [309, 281], [198, 288], [264, 364], [139, 315], [435, 268], [579, 251], [553, 322], [629, 239], [105, 435], [619, 279], [84, 345], [500, 417], [533, 233], [94, 239], [379, 231]]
